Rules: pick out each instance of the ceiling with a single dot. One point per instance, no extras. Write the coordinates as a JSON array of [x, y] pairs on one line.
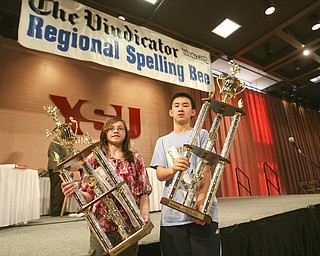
[[287, 32]]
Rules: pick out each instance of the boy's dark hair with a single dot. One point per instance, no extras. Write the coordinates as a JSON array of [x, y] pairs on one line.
[[185, 95]]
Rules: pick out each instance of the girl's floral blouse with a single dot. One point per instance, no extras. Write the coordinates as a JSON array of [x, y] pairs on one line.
[[136, 177]]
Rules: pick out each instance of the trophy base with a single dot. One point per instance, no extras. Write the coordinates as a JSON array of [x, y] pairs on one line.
[[187, 210], [145, 230]]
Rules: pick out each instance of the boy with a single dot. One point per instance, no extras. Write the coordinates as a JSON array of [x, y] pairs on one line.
[[179, 234]]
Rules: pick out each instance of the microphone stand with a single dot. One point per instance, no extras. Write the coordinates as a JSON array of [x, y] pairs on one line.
[[308, 159]]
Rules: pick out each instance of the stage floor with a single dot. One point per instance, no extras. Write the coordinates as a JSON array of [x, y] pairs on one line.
[[236, 210], [68, 235]]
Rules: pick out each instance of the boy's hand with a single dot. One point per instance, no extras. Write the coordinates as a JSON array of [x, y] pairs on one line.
[[180, 164]]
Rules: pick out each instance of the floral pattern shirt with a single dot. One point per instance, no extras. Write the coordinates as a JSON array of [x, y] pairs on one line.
[[136, 177]]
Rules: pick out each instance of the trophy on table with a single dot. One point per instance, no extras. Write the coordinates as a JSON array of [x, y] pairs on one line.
[[189, 181], [107, 186]]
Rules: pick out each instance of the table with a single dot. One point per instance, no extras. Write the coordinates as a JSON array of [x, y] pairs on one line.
[[44, 184], [20, 193], [157, 190]]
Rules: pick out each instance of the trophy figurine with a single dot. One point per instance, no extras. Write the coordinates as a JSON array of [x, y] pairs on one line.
[[188, 182], [107, 186]]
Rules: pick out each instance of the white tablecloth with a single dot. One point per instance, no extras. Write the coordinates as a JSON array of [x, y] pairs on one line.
[[19, 190], [44, 183], [157, 190]]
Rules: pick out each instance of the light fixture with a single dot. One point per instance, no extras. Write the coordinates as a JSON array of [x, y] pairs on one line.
[[226, 28], [306, 52], [230, 60], [270, 8], [120, 17], [315, 79], [151, 1], [296, 65], [315, 23]]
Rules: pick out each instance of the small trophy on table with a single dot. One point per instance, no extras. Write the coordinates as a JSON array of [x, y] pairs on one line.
[[188, 182]]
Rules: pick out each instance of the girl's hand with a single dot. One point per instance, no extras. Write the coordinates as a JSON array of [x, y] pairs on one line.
[[68, 188]]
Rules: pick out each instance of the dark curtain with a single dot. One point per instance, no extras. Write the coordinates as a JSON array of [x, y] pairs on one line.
[[261, 144], [293, 233]]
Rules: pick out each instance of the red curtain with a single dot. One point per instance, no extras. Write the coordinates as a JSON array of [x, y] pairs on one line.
[[261, 149]]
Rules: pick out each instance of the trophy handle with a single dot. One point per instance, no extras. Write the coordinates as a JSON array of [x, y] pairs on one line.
[[75, 122], [220, 77]]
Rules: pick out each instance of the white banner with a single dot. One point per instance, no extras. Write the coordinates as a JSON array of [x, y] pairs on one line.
[[73, 30]]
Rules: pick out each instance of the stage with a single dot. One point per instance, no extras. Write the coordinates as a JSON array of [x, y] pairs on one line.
[[237, 210], [69, 236]]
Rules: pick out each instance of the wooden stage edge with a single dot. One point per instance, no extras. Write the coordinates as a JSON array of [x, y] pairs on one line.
[[236, 210]]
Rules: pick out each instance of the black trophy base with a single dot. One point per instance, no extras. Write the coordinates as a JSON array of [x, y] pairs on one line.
[[145, 230], [187, 210]]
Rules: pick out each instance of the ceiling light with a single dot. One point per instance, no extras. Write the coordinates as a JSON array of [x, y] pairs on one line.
[[230, 60], [270, 7], [306, 52], [226, 28], [315, 79], [296, 65], [151, 1], [120, 17], [315, 23]]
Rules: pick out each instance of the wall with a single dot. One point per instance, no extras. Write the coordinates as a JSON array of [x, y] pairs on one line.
[[27, 78]]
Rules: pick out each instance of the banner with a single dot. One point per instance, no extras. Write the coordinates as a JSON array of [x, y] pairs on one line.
[[73, 30]]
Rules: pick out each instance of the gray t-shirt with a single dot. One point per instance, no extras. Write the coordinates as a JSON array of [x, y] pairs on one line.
[[169, 216]]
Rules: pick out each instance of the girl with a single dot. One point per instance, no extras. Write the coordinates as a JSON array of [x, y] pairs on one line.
[[130, 166]]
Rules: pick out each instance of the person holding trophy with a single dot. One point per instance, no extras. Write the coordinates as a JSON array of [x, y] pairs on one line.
[[130, 166], [179, 233]]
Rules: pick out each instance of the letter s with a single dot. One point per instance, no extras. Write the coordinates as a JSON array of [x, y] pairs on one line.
[[131, 58]]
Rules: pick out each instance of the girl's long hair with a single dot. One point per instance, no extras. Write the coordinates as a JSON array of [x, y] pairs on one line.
[[126, 142]]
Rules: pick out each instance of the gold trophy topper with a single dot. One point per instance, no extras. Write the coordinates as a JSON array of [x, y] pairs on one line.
[[231, 86], [62, 132]]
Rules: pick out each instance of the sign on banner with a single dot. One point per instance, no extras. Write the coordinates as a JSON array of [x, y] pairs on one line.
[[73, 30]]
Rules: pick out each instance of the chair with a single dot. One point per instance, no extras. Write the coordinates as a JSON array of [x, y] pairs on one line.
[[314, 186], [304, 188]]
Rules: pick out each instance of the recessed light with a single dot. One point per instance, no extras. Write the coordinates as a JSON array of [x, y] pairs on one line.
[[315, 79], [151, 1], [226, 28], [270, 7], [306, 52]]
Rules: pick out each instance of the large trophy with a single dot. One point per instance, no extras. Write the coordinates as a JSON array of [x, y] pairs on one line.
[[107, 185], [189, 181]]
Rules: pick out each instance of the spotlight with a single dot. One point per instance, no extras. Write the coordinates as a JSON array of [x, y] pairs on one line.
[[230, 60], [267, 49], [270, 8], [306, 52], [315, 23], [283, 90], [296, 65], [120, 17]]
